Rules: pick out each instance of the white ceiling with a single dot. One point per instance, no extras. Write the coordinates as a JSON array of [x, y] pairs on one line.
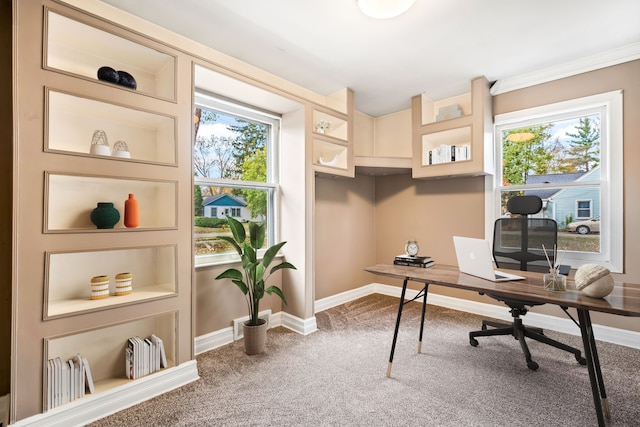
[[437, 47]]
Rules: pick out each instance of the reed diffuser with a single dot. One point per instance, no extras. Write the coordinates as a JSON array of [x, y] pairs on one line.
[[554, 281]]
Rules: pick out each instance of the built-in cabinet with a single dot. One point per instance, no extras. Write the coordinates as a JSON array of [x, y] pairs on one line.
[[331, 131], [453, 136], [59, 180]]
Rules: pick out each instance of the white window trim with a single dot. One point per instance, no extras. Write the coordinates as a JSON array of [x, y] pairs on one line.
[[612, 178], [578, 209], [271, 186]]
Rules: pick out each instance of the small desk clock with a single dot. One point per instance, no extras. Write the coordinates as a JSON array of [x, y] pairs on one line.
[[411, 247]]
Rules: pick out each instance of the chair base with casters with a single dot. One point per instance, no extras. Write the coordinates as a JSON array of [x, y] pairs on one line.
[[519, 332]]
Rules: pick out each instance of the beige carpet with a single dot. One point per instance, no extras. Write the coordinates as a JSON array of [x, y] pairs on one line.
[[336, 377]]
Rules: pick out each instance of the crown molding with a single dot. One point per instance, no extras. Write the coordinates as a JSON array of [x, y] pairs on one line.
[[567, 69]]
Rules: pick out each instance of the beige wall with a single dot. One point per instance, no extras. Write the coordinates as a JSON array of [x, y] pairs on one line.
[[345, 233], [218, 302]]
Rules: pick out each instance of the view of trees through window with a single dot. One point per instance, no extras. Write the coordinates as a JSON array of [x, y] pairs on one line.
[[559, 161], [229, 163]]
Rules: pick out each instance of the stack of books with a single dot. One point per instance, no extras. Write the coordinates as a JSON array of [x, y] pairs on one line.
[[66, 381], [414, 261], [144, 356]]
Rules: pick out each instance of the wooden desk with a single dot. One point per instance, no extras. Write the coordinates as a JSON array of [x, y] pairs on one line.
[[623, 300]]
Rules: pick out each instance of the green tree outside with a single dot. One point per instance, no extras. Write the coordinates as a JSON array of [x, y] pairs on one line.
[[584, 146]]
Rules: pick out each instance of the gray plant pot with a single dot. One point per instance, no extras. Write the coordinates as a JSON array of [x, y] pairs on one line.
[[255, 337]]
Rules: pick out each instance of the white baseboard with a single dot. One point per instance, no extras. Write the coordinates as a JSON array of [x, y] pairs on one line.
[[94, 407], [225, 336], [559, 324], [305, 326]]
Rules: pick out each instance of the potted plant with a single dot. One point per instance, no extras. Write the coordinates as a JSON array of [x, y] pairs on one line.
[[252, 279]]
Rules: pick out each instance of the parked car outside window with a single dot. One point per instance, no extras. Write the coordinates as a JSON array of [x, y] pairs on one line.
[[587, 226]]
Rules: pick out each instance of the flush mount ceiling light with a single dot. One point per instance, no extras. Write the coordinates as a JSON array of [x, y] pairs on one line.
[[384, 9]]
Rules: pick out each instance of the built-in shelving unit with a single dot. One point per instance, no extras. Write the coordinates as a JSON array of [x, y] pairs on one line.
[[59, 180], [332, 138], [452, 137]]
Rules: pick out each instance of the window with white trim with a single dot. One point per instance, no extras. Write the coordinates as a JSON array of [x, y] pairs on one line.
[[234, 163], [583, 209], [569, 154]]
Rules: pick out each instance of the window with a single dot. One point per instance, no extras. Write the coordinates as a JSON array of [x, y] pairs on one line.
[[570, 155], [234, 153], [583, 209]]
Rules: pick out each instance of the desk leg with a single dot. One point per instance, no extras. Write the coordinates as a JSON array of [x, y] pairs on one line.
[[593, 365], [424, 309], [395, 333]]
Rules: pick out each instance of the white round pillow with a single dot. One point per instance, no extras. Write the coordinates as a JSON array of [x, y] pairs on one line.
[[594, 280]]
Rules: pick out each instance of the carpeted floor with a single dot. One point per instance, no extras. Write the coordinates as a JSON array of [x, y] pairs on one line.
[[336, 377]]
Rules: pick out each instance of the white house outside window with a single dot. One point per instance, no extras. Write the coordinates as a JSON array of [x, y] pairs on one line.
[[570, 155], [234, 163]]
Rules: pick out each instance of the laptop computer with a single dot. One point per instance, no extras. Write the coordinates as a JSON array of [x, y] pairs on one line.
[[474, 258]]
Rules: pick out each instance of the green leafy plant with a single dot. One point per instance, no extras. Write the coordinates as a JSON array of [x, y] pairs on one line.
[[252, 280]]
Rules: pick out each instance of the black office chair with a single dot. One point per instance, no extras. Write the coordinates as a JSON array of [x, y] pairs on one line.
[[521, 239]]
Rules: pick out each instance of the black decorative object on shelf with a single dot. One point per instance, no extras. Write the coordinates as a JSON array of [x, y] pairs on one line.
[[127, 80], [108, 74], [119, 77], [105, 215]]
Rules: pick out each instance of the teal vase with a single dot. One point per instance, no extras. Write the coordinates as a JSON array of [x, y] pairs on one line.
[[105, 215]]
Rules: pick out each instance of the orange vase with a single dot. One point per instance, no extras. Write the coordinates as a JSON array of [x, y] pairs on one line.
[[131, 212]]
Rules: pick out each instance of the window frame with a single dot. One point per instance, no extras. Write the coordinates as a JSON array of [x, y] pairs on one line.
[[610, 106], [214, 103], [578, 209]]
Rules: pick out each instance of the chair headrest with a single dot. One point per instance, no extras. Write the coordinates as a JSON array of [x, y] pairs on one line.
[[524, 205]]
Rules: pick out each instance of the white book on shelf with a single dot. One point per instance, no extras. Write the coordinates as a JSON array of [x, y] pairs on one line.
[[152, 356], [163, 354], [127, 361], [50, 376], [156, 349], [72, 380], [134, 359], [65, 382], [57, 399], [88, 375], [81, 377], [139, 357], [147, 356]]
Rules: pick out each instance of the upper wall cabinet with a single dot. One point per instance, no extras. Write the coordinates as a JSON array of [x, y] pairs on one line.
[[332, 139], [453, 136], [79, 49]]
